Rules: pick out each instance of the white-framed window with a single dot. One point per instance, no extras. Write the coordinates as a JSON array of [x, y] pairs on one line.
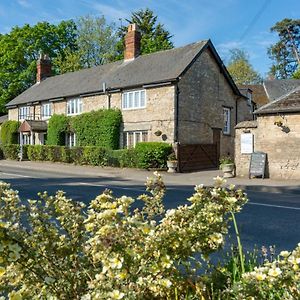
[[74, 106], [70, 139], [25, 139], [24, 112], [227, 120], [134, 99], [131, 138], [46, 111]]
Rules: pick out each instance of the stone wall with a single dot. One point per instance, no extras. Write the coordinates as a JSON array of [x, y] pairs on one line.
[[204, 91], [281, 143], [157, 115]]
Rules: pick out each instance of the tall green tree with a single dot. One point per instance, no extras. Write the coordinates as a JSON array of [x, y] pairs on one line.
[[154, 37], [285, 53], [95, 44], [19, 51], [240, 68]]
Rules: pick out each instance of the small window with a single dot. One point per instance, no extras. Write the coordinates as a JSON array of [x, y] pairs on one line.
[[70, 139], [46, 111], [134, 99], [131, 138], [226, 112], [74, 107], [24, 112]]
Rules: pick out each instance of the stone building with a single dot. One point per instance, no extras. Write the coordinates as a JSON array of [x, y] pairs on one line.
[[276, 132], [183, 96]]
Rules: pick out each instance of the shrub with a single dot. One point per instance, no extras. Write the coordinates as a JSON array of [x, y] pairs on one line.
[[152, 154], [9, 132], [76, 155], [56, 248], [11, 151], [98, 128], [37, 152], [124, 158], [95, 156], [57, 127]]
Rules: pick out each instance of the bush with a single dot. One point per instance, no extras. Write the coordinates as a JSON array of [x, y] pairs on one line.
[[95, 156], [11, 151], [124, 158], [98, 128], [56, 248], [37, 152], [152, 154], [9, 132], [57, 127]]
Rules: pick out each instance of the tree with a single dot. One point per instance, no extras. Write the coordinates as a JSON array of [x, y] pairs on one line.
[[154, 37], [95, 45], [241, 70], [285, 53], [19, 51]]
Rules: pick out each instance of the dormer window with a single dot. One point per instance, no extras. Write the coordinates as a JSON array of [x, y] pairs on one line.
[[74, 107], [134, 99]]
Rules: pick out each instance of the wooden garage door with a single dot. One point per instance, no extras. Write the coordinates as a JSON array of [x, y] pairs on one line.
[[197, 157]]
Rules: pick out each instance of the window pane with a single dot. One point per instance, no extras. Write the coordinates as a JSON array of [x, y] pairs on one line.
[[130, 141], [130, 101], [144, 136], [136, 99], [137, 137], [142, 99]]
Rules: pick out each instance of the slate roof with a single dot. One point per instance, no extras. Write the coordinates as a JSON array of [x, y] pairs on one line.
[[159, 67], [279, 87], [33, 125], [289, 102], [259, 95]]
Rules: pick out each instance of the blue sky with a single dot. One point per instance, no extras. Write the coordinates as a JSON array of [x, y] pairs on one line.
[[229, 24]]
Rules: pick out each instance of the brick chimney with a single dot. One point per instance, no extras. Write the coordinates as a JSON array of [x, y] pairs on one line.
[[132, 42], [43, 67]]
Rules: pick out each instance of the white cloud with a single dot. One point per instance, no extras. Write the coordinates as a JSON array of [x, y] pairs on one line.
[[24, 3], [109, 11]]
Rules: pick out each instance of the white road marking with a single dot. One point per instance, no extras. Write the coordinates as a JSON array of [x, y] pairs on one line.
[[276, 206], [16, 175], [104, 185]]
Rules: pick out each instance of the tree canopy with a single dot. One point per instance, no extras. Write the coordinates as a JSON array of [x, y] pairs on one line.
[[19, 51], [285, 53], [95, 44], [154, 37], [240, 68]]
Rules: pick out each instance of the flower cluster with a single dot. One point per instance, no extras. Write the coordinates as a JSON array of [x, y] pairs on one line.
[[278, 279], [56, 248]]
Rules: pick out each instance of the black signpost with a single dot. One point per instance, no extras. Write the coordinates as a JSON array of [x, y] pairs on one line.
[[257, 164]]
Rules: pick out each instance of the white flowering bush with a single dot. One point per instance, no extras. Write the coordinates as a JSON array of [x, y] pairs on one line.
[[56, 248], [278, 280]]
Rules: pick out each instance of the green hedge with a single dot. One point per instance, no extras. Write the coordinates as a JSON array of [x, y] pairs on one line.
[[12, 151], [57, 127], [9, 132], [98, 128], [152, 154], [145, 155]]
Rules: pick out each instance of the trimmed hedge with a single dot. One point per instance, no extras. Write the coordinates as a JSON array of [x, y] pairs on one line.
[[57, 127], [152, 154], [12, 151], [145, 155], [9, 132], [98, 128]]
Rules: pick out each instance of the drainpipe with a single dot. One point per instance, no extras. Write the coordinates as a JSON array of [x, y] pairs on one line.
[[176, 121]]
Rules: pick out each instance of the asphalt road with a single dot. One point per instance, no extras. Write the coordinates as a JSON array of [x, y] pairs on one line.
[[267, 219]]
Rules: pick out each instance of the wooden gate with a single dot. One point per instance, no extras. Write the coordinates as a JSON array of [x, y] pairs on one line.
[[197, 157]]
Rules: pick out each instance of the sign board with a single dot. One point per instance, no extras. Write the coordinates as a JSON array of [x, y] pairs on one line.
[[246, 143], [257, 164]]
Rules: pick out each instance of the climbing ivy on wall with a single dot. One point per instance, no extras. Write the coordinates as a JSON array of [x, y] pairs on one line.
[[98, 128], [9, 132], [57, 127]]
